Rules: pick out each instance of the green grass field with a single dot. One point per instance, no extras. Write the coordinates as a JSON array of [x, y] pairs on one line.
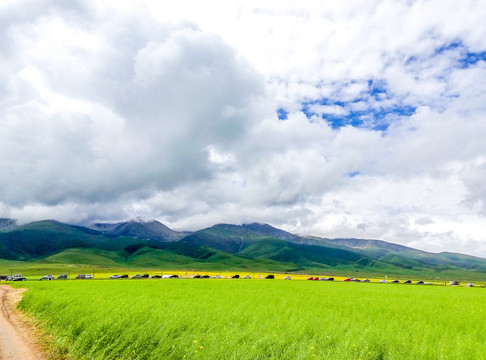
[[237, 319]]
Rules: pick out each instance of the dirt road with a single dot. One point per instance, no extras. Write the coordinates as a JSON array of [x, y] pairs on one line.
[[17, 340]]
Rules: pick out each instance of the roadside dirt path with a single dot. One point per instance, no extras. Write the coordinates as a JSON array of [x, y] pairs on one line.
[[17, 338]]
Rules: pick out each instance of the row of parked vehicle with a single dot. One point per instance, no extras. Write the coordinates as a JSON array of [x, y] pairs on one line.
[[147, 276], [19, 277], [456, 283], [384, 281], [420, 282], [198, 276], [321, 279], [144, 276], [234, 277], [365, 280], [51, 277]]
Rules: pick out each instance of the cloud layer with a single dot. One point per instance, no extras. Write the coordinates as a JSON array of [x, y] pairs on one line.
[[363, 119]]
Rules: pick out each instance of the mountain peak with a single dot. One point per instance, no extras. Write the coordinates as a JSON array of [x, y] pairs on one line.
[[139, 228], [268, 230], [260, 229], [7, 224]]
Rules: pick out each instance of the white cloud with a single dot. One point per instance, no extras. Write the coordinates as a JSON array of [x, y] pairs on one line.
[[113, 110], [97, 122], [328, 110]]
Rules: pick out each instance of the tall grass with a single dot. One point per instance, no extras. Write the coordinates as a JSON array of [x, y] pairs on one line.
[[236, 319]]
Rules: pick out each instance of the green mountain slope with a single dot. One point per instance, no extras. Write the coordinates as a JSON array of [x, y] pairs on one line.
[[223, 246], [88, 256], [308, 255], [410, 258], [43, 238], [145, 257]]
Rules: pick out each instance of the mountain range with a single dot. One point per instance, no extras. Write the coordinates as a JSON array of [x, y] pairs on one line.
[[223, 246]]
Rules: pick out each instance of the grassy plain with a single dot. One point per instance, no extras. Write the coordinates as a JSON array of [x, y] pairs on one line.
[[267, 319]]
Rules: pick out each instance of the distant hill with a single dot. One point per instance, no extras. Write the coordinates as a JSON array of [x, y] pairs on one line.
[[409, 257], [222, 246]]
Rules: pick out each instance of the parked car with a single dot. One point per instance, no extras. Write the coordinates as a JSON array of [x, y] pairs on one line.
[[247, 277], [470, 285], [62, 277], [270, 277], [330, 279], [218, 277], [15, 277], [114, 276], [235, 277], [138, 276], [454, 283], [366, 280], [125, 276], [89, 276], [420, 282], [47, 278], [287, 278], [348, 279], [407, 282], [311, 278], [145, 276], [355, 280], [196, 276], [395, 282], [156, 277], [383, 281], [170, 277], [80, 276]]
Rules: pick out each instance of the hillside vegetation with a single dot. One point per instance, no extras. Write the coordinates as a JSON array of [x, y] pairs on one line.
[[258, 247]]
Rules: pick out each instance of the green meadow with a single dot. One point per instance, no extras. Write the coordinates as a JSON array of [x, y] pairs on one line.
[[257, 319]]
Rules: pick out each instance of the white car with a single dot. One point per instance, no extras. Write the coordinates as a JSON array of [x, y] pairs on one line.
[[218, 277], [114, 276], [247, 277], [470, 285], [383, 281], [89, 277], [287, 278]]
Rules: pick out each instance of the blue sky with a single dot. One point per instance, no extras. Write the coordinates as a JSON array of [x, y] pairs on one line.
[[355, 119]]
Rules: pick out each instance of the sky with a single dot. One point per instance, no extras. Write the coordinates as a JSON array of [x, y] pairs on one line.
[[361, 119]]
